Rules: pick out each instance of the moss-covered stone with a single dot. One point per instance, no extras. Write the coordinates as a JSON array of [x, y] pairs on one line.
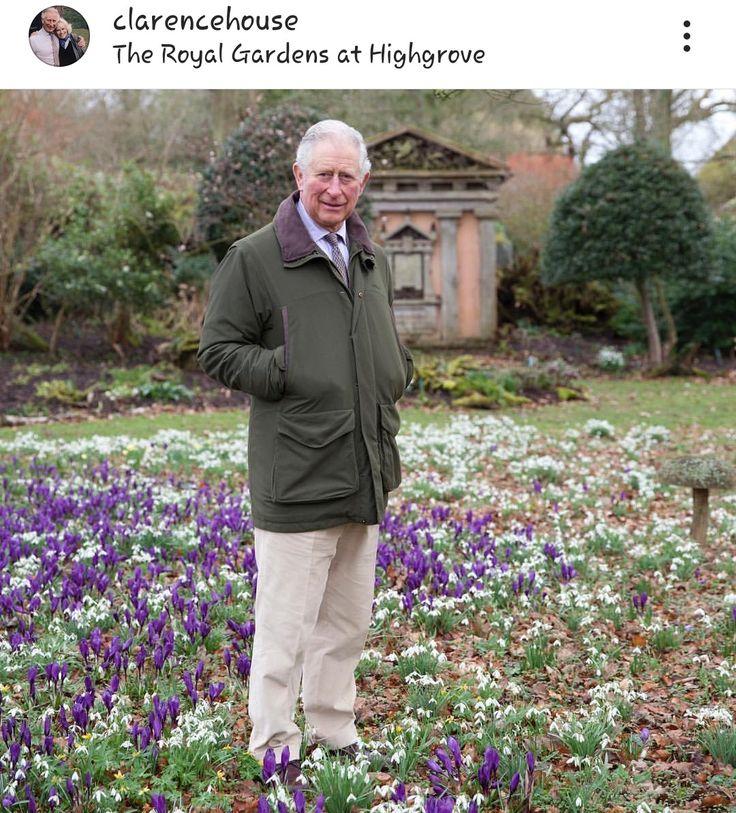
[[699, 472]]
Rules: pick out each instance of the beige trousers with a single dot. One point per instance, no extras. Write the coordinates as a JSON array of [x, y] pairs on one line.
[[313, 605]]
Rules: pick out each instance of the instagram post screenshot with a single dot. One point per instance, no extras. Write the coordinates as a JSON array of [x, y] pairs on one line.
[[367, 417]]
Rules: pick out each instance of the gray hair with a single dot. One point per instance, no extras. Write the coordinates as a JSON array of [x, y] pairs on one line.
[[50, 8], [331, 128]]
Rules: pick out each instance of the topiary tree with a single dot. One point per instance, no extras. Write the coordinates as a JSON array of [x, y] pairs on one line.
[[244, 184], [636, 216]]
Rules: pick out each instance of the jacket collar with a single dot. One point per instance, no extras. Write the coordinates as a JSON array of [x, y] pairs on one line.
[[294, 240]]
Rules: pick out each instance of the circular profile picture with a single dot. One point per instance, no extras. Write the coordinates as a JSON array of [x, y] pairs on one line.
[[59, 36]]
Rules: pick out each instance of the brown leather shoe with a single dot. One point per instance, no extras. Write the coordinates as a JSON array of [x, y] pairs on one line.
[[291, 777]]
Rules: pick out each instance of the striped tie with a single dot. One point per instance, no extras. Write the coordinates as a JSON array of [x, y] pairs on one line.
[[337, 257]]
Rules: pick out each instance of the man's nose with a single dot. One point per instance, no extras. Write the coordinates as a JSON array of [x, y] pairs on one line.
[[334, 185]]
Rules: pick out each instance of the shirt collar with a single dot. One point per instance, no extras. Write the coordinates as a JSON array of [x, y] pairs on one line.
[[317, 232]]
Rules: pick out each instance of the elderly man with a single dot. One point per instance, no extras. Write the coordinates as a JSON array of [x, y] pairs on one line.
[[300, 318], [44, 42]]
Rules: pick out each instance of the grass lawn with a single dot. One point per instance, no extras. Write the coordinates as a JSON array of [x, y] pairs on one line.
[[676, 403], [671, 402]]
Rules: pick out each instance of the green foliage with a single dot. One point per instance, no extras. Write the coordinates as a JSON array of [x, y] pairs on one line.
[[60, 390], [718, 178], [568, 308], [720, 743], [347, 788], [634, 215], [470, 384], [113, 246], [160, 384], [244, 184], [703, 310]]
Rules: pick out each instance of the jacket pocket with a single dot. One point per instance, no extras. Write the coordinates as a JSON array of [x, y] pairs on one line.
[[315, 457], [388, 419]]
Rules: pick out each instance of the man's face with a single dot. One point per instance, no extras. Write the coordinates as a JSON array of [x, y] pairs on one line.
[[331, 184], [49, 21]]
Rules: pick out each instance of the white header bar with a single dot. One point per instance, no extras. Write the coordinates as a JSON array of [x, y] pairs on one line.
[[383, 44]]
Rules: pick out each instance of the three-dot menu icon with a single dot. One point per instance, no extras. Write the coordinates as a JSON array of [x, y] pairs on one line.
[[686, 35]]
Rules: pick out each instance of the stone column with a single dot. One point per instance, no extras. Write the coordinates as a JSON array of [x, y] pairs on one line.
[[488, 282], [449, 313]]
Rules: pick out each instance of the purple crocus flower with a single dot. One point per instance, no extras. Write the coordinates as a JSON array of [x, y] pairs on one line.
[[215, 690], [487, 771], [32, 675], [515, 779], [269, 764], [399, 794], [70, 789], [173, 706], [281, 807], [32, 808], [299, 802], [644, 735], [263, 806], [243, 665], [140, 658], [530, 763], [95, 641], [157, 727], [285, 756], [454, 747], [158, 802], [444, 758]]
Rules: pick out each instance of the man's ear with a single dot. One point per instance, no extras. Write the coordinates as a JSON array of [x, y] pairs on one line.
[[298, 176], [364, 182]]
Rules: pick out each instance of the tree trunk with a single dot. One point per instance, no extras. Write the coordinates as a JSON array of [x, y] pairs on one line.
[[120, 331], [699, 529], [640, 116], [671, 341], [662, 119], [649, 318], [54, 341]]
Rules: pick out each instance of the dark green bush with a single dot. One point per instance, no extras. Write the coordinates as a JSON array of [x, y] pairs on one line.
[[245, 182], [704, 310]]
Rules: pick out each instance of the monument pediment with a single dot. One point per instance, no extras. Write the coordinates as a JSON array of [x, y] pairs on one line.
[[411, 151], [408, 231]]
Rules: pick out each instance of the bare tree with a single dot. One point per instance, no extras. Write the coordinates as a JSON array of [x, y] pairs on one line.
[[28, 208]]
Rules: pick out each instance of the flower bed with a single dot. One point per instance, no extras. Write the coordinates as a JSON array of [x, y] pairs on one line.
[[546, 635]]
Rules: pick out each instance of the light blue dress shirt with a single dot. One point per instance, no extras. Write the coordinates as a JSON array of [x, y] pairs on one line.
[[317, 233]]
